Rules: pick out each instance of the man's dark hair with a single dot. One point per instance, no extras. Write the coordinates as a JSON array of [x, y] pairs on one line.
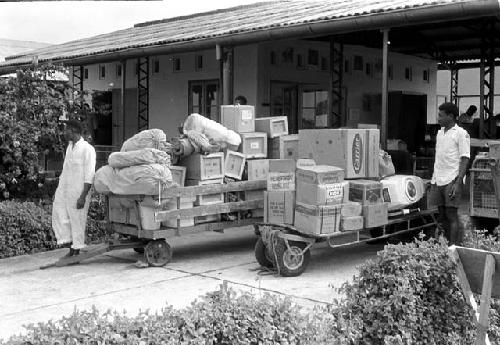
[[75, 125], [472, 109], [242, 100], [449, 108]]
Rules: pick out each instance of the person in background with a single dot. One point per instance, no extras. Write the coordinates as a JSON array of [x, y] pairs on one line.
[[72, 197], [466, 120], [240, 100], [450, 166]]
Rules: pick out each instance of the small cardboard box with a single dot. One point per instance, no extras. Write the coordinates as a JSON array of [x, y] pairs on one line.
[[367, 192], [253, 145], [351, 223], [375, 215], [279, 207], [281, 176], [322, 194], [204, 167], [274, 126], [317, 220], [239, 118], [207, 199], [172, 223], [320, 174], [178, 175], [257, 169], [235, 164], [283, 147], [351, 209]]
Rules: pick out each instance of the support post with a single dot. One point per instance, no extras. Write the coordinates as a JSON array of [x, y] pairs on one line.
[[454, 84], [227, 75], [78, 85], [122, 100], [337, 116], [385, 87], [143, 93]]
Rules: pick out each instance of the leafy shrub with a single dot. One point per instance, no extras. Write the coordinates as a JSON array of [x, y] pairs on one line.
[[24, 228], [408, 295], [97, 229]]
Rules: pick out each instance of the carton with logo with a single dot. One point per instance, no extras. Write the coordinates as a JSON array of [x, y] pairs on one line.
[[253, 145], [207, 199], [317, 220], [239, 118], [322, 194], [274, 126], [367, 192], [257, 169], [204, 167], [355, 150], [320, 174], [279, 207], [375, 215], [351, 223], [283, 147], [234, 164], [281, 175]]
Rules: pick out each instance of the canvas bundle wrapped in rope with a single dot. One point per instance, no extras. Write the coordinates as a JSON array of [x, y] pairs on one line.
[[216, 133], [150, 138], [126, 159]]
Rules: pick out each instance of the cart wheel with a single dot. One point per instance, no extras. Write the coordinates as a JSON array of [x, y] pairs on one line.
[[158, 253], [262, 255], [291, 262]]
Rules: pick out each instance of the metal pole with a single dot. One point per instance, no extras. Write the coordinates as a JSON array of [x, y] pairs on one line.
[[481, 97], [383, 125], [123, 86]]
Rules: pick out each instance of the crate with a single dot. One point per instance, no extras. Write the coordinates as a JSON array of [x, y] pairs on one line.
[[283, 147], [207, 199], [239, 118], [178, 175], [204, 167], [235, 164], [254, 145], [257, 169], [483, 201], [274, 126]]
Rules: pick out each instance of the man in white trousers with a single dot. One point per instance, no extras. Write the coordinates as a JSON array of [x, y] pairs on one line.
[[72, 198]]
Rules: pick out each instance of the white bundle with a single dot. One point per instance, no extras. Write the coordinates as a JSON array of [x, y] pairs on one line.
[[139, 179], [201, 143], [120, 160], [214, 131], [150, 138]]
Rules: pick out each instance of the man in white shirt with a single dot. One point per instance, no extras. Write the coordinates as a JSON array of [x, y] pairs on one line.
[[450, 166], [72, 198]]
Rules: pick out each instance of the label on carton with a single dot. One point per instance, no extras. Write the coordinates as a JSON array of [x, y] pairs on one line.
[[246, 114], [254, 145], [281, 181], [357, 153]]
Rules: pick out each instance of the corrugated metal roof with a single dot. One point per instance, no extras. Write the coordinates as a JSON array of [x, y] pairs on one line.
[[239, 20]]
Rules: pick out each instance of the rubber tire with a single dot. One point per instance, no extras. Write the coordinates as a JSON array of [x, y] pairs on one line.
[[261, 254], [282, 252], [157, 253]]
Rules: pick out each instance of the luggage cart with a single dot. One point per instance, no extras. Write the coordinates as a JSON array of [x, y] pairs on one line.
[[287, 249], [129, 232]]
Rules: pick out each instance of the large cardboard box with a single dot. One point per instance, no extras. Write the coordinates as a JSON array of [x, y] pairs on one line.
[[281, 175], [317, 220], [355, 150], [253, 145], [207, 199], [257, 169], [274, 126], [204, 167], [351, 223], [366, 192], [234, 164], [351, 209], [322, 194], [283, 147], [320, 174], [279, 207], [375, 215], [239, 118], [178, 175]]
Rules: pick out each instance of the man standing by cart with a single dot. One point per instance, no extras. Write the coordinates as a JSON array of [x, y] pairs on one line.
[[450, 166], [72, 198]]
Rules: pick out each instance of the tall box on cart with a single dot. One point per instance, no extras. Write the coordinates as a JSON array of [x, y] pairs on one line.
[[317, 220], [367, 192], [355, 150], [274, 126], [239, 118], [253, 145], [281, 176], [279, 207], [376, 215], [204, 167], [283, 147]]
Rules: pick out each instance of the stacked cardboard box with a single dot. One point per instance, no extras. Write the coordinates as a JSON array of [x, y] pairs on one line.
[[321, 191], [239, 118], [355, 150], [256, 169], [369, 194], [279, 200]]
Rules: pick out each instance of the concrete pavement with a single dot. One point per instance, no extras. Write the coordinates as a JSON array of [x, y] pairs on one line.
[[200, 264]]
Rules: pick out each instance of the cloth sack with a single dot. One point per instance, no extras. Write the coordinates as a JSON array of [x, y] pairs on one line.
[[121, 160], [149, 138], [214, 131]]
